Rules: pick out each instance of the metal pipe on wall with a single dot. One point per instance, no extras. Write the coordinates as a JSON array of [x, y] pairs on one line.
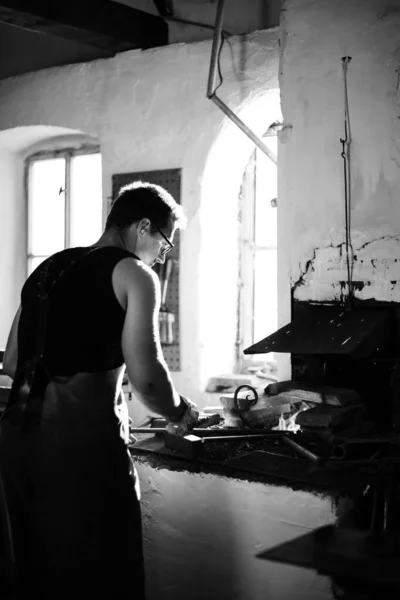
[[211, 95], [215, 48]]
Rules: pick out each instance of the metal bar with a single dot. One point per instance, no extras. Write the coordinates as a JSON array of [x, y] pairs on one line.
[[211, 432], [222, 438], [211, 95], [300, 449], [385, 510], [233, 117]]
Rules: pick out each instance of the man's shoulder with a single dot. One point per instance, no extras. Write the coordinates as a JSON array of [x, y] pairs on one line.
[[134, 269], [136, 285]]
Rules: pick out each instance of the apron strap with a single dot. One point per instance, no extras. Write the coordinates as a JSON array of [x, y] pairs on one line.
[[30, 372]]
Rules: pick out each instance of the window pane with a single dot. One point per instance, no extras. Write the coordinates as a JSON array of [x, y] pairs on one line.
[[46, 206], [265, 294], [266, 190], [34, 262], [86, 199]]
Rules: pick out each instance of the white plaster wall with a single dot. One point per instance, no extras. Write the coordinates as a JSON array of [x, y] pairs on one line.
[[202, 532], [12, 238], [314, 37], [149, 111]]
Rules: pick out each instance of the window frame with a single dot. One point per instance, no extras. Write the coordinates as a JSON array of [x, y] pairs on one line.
[[67, 153], [246, 292]]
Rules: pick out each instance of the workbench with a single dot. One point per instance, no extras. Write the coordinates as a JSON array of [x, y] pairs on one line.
[[255, 461], [206, 520], [204, 523]]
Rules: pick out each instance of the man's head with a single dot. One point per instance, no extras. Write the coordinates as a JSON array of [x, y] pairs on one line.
[[146, 217]]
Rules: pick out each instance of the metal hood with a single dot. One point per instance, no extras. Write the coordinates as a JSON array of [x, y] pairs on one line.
[[330, 330]]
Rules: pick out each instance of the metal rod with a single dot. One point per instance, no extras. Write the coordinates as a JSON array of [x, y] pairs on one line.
[[220, 438], [211, 432], [211, 95], [254, 138], [215, 48], [300, 449], [385, 510], [346, 142]]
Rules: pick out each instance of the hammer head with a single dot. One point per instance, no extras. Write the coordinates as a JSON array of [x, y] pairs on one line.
[[189, 445]]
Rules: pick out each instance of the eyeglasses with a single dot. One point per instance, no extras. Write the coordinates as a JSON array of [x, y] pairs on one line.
[[170, 244]]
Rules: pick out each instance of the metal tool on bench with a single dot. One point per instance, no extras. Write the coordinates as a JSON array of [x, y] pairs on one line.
[[192, 446], [301, 449], [252, 408], [205, 432], [204, 421], [157, 425]]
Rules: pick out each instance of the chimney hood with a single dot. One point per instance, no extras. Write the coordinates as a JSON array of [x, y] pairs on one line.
[[330, 330]]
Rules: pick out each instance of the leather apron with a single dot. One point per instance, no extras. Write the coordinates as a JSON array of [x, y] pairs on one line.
[[71, 489], [69, 485]]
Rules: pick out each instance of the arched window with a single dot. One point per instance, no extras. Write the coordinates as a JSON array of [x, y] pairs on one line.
[[64, 192]]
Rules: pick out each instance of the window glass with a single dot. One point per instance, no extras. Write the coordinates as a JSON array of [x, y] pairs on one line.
[[85, 199], [46, 206], [266, 190], [258, 295], [64, 204], [34, 262], [265, 294]]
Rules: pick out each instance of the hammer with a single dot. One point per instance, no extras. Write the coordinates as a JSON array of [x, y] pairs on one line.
[[192, 445]]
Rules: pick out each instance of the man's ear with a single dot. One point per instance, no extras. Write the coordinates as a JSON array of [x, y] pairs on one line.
[[143, 225]]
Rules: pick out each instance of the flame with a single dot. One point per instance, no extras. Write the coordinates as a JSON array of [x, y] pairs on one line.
[[289, 424]]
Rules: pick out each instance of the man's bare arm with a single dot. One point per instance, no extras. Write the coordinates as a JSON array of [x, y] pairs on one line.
[[141, 347], [11, 353]]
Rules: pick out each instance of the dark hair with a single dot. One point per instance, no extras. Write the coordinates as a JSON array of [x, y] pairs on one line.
[[140, 200]]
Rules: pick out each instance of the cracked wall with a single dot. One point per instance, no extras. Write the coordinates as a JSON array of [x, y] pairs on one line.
[[375, 273], [315, 36]]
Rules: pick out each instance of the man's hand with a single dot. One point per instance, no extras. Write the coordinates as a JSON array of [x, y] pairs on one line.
[[187, 421]]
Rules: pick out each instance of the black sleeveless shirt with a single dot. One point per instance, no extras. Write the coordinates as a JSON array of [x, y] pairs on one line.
[[85, 319]]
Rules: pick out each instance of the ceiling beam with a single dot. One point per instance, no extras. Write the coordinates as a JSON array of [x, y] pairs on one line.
[[99, 23]]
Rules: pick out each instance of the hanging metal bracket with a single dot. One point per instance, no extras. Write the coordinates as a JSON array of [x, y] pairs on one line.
[[211, 95]]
